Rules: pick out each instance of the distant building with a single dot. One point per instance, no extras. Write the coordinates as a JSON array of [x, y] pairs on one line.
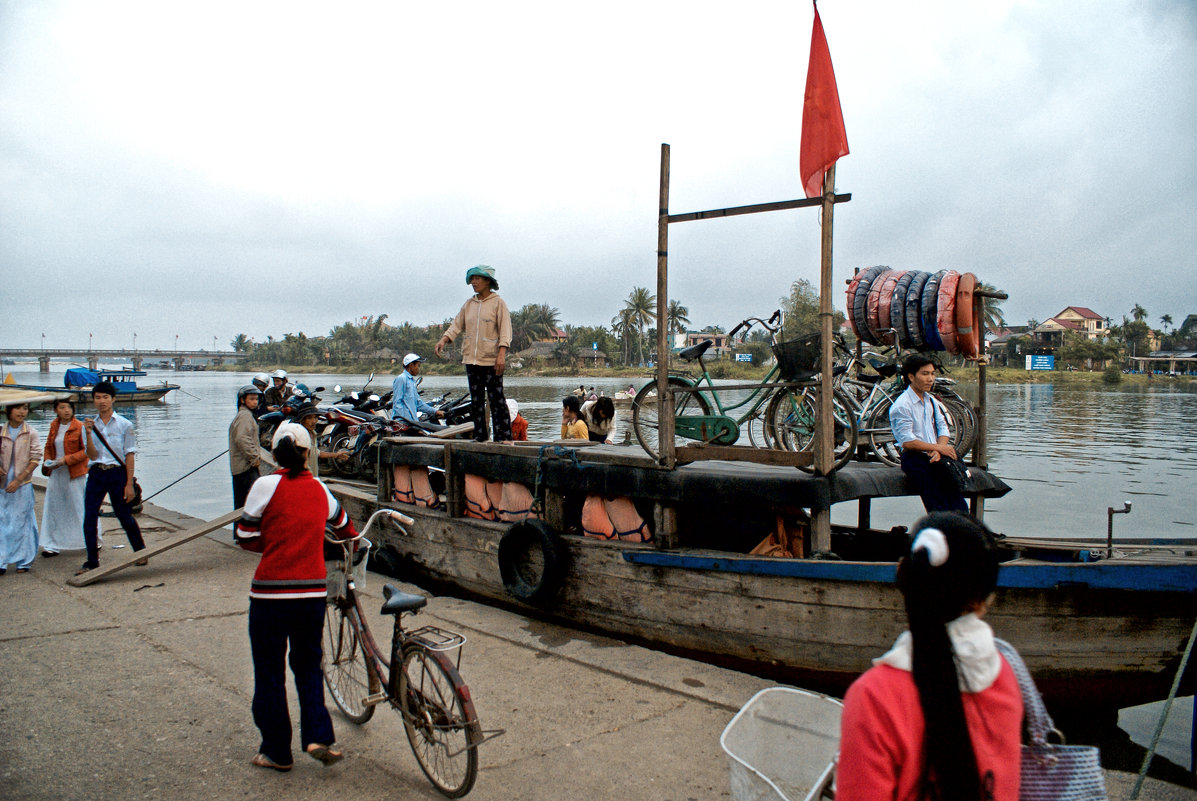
[[1080, 319], [719, 347]]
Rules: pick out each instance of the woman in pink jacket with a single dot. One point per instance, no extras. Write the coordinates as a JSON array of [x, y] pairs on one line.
[[20, 452], [939, 716]]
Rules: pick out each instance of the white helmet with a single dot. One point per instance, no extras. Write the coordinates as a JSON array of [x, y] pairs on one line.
[[411, 357], [279, 374], [261, 378]]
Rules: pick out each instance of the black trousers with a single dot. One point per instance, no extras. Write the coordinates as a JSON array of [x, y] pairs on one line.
[[241, 484], [485, 385], [110, 482], [933, 482]]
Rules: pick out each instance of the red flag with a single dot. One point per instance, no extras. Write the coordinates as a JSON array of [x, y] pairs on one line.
[[823, 137]]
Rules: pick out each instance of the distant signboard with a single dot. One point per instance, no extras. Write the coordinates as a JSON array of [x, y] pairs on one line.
[[1041, 362], [744, 357], [594, 346]]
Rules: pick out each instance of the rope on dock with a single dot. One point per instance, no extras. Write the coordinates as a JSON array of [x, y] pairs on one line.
[[1159, 727], [180, 478], [556, 451]]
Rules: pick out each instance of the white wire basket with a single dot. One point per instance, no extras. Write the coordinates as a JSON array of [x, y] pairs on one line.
[[782, 745]]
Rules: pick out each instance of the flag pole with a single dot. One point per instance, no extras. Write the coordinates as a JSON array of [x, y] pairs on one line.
[[824, 441]]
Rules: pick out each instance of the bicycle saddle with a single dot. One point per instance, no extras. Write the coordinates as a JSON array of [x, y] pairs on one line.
[[694, 351], [398, 602]]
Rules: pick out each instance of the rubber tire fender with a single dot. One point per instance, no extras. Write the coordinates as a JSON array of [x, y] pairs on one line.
[[859, 303], [517, 540], [946, 315], [966, 326], [897, 307], [929, 302], [885, 304], [914, 310], [873, 308], [850, 302]]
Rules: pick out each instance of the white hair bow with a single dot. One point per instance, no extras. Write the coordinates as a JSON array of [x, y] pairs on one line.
[[934, 543]]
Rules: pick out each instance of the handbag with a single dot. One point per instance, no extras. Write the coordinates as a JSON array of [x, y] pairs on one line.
[[135, 505], [1051, 772]]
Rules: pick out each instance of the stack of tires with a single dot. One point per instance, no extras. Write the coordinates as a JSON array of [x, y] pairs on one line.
[[928, 311]]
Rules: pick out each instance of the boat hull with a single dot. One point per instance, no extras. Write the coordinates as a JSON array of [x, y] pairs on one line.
[[810, 622], [82, 395]]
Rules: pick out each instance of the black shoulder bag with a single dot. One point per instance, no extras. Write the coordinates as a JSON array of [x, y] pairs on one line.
[[135, 505]]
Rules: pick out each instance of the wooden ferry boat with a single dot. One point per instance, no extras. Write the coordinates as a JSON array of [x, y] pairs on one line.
[[1098, 630], [78, 384]]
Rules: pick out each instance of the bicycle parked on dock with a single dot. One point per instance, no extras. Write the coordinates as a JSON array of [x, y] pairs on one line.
[[419, 679]]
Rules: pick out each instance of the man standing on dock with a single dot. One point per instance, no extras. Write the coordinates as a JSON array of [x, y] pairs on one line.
[[244, 451], [921, 429], [111, 474]]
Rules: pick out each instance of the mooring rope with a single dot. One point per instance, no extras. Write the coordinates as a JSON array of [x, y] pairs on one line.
[[1159, 728], [180, 478], [556, 451]]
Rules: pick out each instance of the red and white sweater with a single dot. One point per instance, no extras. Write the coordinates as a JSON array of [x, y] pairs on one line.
[[284, 519]]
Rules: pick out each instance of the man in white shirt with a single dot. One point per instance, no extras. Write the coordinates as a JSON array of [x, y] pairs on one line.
[[107, 476], [921, 428]]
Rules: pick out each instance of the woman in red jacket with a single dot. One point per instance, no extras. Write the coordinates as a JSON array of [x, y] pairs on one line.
[[66, 466], [284, 519], [940, 715]]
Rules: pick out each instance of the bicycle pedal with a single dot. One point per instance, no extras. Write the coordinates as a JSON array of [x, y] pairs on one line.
[[374, 700]]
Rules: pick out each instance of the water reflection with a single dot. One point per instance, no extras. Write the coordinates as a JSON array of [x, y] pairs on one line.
[[1067, 452]]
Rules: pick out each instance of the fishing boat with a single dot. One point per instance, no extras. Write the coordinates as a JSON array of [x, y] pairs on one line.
[[78, 383], [1099, 626]]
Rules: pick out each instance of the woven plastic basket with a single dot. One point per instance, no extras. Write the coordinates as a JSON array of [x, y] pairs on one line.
[[798, 359]]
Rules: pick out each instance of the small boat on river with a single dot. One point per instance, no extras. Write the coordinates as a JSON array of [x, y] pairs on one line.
[[79, 382], [726, 570]]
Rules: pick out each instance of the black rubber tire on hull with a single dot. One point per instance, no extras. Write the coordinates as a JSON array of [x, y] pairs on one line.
[[532, 562]]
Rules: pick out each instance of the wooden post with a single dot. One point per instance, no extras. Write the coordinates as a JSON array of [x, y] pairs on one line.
[[665, 534], [980, 457], [664, 399], [824, 440]]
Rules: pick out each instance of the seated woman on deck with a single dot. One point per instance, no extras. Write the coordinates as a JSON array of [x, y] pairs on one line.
[[572, 424], [940, 714], [599, 415]]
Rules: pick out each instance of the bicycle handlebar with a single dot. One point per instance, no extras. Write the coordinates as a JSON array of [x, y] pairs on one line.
[[398, 517], [770, 325]]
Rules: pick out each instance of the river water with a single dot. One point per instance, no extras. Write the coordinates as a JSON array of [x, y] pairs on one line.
[[1068, 453]]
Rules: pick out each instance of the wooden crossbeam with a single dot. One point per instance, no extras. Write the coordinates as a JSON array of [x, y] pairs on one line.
[[184, 537], [754, 209]]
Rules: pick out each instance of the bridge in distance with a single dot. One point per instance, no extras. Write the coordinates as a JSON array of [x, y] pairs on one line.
[[135, 357]]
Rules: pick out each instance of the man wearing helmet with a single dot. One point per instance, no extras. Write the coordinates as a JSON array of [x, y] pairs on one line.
[[278, 393], [262, 382], [407, 405], [244, 455]]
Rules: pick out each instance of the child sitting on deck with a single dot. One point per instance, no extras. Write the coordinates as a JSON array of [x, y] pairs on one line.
[[572, 424]]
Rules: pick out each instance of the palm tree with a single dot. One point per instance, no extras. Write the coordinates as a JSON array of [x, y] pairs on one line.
[[1138, 313], [991, 309], [622, 328], [678, 317], [1166, 321], [642, 304], [535, 321], [241, 343]]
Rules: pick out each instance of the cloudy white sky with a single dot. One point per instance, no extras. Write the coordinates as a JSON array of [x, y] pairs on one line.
[[205, 169]]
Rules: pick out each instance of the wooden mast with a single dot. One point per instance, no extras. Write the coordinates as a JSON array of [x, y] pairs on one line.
[[825, 439], [667, 457]]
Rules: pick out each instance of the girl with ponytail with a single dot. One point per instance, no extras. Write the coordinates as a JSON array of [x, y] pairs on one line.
[[940, 715]]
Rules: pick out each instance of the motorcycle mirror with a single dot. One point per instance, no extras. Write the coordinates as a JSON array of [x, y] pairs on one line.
[[374, 398], [336, 387], [318, 389]]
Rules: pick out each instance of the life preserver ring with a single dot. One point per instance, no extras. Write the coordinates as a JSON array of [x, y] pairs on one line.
[[525, 537], [966, 325], [914, 310], [946, 311], [929, 303], [859, 303], [885, 303], [873, 308], [897, 307]]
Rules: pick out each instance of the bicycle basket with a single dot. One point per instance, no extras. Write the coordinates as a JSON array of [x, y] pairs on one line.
[[798, 359]]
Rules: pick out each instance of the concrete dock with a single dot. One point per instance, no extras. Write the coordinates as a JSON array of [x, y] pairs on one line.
[[139, 686]]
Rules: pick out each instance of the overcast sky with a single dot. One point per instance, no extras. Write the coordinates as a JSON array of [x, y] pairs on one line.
[[205, 169]]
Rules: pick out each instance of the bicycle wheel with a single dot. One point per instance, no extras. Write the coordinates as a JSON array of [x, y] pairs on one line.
[[688, 401], [439, 719], [881, 437], [347, 670], [793, 417], [961, 422]]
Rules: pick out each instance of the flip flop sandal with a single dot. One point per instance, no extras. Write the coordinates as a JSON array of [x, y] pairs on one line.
[[263, 761], [324, 754]]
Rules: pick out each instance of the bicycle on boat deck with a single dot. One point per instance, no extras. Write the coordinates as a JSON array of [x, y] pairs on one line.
[[420, 678]]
